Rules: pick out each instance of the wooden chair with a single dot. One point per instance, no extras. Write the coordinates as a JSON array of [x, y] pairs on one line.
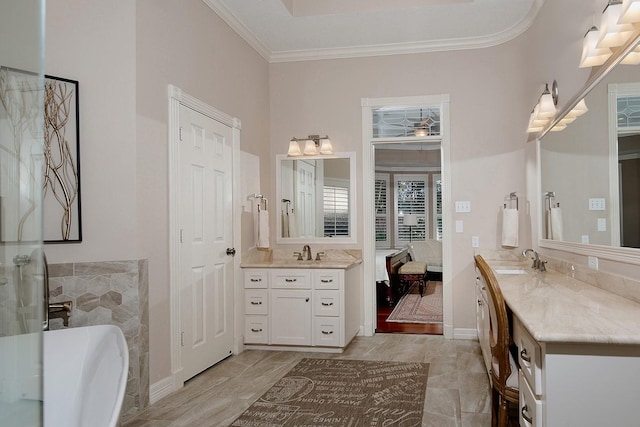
[[504, 371]]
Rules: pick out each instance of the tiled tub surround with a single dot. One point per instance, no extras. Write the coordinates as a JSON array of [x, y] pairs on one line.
[[110, 293]]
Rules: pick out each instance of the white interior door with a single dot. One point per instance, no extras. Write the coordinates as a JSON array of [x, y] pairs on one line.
[[306, 198], [206, 270]]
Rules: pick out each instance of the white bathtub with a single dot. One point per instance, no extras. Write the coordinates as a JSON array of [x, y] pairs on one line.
[[85, 376]]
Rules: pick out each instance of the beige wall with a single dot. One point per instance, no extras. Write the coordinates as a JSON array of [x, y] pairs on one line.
[[126, 53], [187, 45]]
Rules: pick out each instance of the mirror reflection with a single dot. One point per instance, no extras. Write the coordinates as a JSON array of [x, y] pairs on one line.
[[315, 195], [590, 171]]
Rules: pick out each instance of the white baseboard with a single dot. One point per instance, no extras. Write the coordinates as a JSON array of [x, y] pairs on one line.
[[160, 389], [465, 334]]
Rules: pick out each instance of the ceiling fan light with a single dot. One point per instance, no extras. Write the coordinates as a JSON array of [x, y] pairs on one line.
[[592, 56], [613, 34], [630, 13], [420, 132]]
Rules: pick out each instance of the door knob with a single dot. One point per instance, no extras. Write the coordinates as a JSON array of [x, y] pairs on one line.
[[231, 251]]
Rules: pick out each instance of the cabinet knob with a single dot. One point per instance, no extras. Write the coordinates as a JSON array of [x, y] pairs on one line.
[[524, 356], [306, 300]]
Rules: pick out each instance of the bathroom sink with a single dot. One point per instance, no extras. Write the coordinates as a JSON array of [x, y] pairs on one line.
[[510, 271], [85, 376]]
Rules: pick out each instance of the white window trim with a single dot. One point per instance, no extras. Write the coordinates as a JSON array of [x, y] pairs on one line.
[[384, 244], [435, 178], [396, 220]]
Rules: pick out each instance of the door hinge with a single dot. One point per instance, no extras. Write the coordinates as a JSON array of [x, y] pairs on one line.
[[180, 132], [182, 339], [182, 235]]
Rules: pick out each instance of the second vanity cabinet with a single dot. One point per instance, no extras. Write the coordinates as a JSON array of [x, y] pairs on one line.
[[300, 307]]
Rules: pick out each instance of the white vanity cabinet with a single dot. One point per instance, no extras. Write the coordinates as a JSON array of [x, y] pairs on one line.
[[576, 384], [315, 308], [483, 319]]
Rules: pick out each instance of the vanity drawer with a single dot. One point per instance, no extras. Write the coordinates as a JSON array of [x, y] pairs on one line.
[[529, 358], [256, 330], [326, 331], [256, 279], [326, 303], [290, 279], [256, 301], [327, 279], [530, 408]]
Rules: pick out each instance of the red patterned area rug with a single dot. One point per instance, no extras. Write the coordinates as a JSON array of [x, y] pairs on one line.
[[413, 309], [343, 393]]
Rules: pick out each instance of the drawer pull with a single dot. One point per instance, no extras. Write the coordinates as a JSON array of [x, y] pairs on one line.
[[327, 304], [326, 280], [256, 280], [524, 356], [290, 280], [256, 302], [526, 416], [306, 300], [256, 330], [327, 332]]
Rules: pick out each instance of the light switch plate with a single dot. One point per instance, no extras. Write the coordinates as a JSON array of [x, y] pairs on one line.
[[585, 239], [459, 226], [593, 262], [597, 205], [475, 242], [464, 206]]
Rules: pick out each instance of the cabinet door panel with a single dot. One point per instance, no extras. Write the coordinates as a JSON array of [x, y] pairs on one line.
[[290, 317]]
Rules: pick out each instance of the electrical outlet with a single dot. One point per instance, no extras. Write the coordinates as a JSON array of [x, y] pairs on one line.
[[602, 224], [585, 239], [596, 205], [593, 262], [464, 206], [475, 242]]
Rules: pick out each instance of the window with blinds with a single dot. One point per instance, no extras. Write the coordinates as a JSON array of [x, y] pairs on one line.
[[411, 198], [336, 210], [381, 196]]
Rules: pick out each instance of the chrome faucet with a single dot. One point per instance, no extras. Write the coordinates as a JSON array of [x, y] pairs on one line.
[[306, 253], [538, 264]]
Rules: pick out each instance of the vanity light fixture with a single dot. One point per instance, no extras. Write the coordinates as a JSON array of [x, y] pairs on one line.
[[579, 109], [544, 110], [536, 124], [630, 13], [632, 58], [592, 55], [612, 33], [312, 145]]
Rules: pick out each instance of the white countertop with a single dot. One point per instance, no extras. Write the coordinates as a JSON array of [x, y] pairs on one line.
[[557, 308], [279, 258]]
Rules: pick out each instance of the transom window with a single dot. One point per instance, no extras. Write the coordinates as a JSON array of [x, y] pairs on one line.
[[402, 122]]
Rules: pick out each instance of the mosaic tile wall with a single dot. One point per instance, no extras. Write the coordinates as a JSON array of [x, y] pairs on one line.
[[114, 293]]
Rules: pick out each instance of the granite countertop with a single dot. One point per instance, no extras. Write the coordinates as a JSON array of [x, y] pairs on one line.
[[554, 307], [281, 258]]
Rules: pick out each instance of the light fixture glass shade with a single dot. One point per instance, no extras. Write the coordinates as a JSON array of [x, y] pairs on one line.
[[613, 34], [325, 146], [294, 148], [547, 108], [410, 219], [630, 13], [567, 119], [420, 132], [579, 109], [592, 55], [536, 124], [558, 127], [310, 148]]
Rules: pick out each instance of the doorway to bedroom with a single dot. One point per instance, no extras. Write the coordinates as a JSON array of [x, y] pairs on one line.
[[408, 234]]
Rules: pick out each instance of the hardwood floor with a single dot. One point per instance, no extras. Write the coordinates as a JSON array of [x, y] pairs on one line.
[[383, 326]]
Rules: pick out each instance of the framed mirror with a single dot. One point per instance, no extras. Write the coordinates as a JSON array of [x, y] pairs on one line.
[[590, 171], [316, 200]]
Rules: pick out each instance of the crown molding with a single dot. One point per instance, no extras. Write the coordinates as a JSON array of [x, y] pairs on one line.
[[374, 50]]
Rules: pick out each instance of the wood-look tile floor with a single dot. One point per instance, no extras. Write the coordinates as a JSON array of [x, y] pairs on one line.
[[457, 389]]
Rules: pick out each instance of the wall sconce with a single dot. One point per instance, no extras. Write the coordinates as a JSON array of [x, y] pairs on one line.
[[630, 13], [545, 109], [592, 55], [612, 32], [312, 145]]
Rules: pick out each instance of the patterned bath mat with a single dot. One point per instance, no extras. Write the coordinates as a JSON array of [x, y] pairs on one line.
[[413, 309], [342, 393]]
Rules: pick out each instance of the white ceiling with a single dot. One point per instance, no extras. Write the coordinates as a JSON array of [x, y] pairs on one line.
[[294, 30]]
